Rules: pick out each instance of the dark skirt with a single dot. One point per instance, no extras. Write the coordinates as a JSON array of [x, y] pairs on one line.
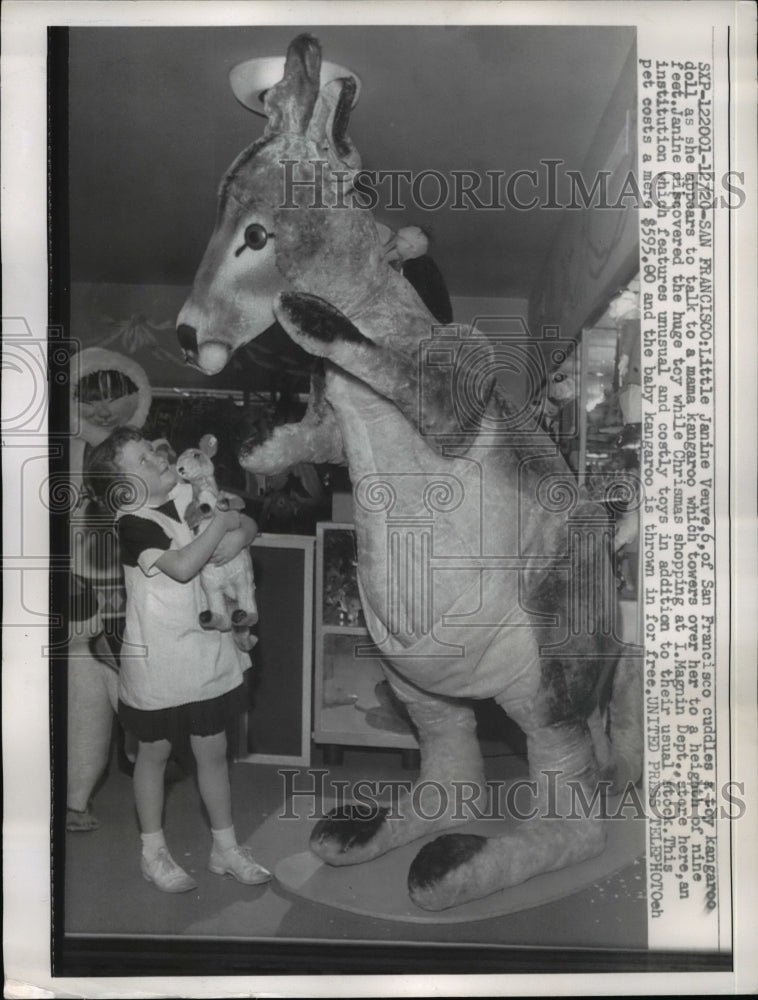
[[196, 718]]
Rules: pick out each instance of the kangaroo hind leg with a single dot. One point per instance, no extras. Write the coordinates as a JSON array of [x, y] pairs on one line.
[[549, 832]]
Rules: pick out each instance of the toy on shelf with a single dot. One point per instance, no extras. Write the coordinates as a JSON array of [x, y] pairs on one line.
[[342, 602], [230, 588], [349, 604]]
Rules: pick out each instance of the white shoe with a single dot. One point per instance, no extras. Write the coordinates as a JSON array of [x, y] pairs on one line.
[[165, 873], [239, 862]]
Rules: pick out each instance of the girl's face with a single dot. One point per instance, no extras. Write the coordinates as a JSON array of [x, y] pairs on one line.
[[140, 460], [101, 416]]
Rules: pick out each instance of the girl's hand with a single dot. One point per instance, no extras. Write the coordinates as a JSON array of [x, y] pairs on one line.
[[230, 519], [182, 564], [234, 542]]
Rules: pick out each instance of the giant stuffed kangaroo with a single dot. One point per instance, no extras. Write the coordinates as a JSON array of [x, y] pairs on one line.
[[482, 567]]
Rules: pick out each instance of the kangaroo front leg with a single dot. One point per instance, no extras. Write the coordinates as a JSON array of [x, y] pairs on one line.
[[325, 332], [316, 438], [559, 830], [451, 783]]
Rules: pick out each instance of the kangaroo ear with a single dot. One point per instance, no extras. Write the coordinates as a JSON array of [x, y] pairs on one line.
[[328, 126], [289, 104], [208, 445], [337, 126]]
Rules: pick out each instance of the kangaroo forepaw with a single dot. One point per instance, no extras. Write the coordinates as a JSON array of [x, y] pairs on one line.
[[349, 834], [441, 875]]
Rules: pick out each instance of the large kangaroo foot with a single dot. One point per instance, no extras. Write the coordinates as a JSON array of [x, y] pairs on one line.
[[456, 868], [450, 785]]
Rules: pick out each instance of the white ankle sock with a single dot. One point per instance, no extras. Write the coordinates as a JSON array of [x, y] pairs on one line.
[[224, 839], [152, 843]]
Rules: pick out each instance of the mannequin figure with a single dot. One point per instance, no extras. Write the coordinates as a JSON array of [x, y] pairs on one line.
[[107, 390]]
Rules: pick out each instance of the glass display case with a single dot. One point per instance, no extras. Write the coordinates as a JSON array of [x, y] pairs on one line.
[[597, 428], [353, 704], [600, 435], [610, 446]]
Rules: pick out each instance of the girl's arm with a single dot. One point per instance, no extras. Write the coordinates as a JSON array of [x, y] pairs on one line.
[[235, 541], [182, 564]]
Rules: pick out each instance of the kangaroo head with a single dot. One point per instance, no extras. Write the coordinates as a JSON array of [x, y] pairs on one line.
[[283, 218]]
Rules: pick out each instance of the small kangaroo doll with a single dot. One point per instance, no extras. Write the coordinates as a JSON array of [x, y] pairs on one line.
[[229, 589]]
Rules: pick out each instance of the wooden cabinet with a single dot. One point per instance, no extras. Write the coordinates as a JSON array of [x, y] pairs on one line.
[[352, 702]]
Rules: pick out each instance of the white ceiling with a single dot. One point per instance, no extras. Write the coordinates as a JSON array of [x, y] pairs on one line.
[[153, 124]]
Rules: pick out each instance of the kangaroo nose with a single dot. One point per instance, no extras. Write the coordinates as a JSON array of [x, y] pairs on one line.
[[187, 341]]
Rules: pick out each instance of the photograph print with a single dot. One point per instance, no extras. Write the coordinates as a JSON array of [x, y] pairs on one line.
[[348, 502]]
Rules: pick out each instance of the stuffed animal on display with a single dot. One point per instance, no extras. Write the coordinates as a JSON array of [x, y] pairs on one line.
[[229, 589], [481, 563]]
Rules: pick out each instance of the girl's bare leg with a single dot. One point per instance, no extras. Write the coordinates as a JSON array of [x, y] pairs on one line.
[[213, 778], [149, 775]]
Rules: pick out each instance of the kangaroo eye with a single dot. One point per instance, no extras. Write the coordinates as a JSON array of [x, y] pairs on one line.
[[256, 237]]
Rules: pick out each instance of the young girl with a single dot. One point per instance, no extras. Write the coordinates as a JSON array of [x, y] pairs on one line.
[[174, 676]]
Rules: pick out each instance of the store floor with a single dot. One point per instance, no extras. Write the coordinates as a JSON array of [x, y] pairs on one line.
[[105, 893]]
